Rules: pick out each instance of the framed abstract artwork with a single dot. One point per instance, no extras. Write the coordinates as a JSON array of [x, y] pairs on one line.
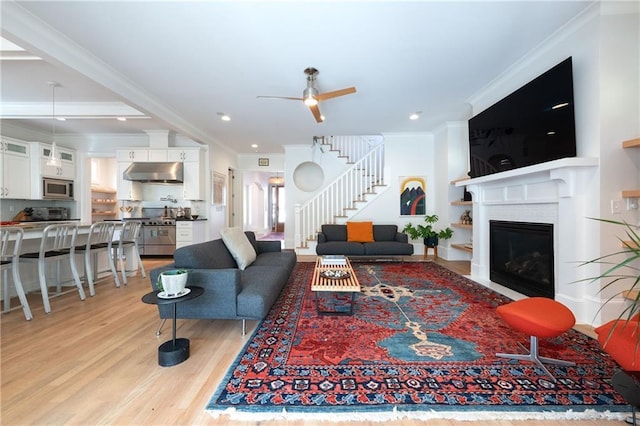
[[412, 196], [218, 189]]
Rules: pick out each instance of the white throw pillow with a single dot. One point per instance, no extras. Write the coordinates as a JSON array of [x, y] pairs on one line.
[[239, 246]]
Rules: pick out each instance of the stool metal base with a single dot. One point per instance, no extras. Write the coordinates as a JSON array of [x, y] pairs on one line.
[[532, 356]]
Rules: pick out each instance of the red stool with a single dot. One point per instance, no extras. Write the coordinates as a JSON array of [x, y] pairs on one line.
[[619, 338], [539, 317]]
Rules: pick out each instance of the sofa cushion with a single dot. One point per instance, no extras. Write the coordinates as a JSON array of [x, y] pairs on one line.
[[360, 232], [208, 255], [388, 248], [385, 232], [335, 232], [341, 247], [239, 246]]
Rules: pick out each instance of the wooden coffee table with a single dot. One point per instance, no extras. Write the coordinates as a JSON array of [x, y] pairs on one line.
[[343, 285]]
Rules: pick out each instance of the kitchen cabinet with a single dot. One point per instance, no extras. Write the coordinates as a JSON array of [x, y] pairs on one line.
[[193, 187], [67, 167], [190, 232], [133, 154], [126, 189], [183, 154], [15, 170]]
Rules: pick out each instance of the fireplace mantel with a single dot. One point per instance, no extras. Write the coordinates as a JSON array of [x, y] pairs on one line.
[[557, 192]]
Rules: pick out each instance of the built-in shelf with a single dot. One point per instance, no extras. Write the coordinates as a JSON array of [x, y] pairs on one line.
[[631, 193], [631, 143], [464, 247], [462, 225], [462, 179], [462, 203], [630, 294], [103, 203]]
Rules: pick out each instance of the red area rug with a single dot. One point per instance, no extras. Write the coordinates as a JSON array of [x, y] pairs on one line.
[[420, 344]]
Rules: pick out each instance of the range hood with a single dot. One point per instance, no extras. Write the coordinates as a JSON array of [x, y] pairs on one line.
[[155, 172]]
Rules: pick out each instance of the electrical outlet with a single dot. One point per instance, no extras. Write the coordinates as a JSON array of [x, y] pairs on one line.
[[632, 203], [616, 206]]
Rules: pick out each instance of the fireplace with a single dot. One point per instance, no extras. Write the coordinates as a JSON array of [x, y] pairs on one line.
[[521, 257]]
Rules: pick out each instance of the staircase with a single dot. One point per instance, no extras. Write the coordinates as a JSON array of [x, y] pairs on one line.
[[348, 193]]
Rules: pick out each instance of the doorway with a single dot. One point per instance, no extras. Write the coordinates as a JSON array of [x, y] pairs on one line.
[[277, 207]]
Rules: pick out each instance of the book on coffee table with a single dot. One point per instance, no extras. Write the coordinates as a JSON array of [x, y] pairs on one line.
[[333, 259]]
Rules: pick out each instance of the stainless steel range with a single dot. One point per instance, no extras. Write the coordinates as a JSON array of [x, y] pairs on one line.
[[157, 235]]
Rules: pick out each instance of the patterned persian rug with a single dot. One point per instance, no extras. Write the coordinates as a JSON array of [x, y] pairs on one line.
[[421, 344]]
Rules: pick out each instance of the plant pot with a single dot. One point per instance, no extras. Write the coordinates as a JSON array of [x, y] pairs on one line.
[[431, 241], [173, 281]]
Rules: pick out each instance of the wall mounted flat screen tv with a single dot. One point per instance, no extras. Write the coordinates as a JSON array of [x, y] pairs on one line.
[[532, 125]]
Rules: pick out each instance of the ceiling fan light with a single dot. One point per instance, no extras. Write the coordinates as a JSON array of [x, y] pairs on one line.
[[309, 97]]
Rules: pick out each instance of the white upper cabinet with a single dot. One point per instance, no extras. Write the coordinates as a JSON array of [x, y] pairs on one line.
[[133, 154], [15, 174], [158, 155], [67, 167], [183, 154], [193, 175]]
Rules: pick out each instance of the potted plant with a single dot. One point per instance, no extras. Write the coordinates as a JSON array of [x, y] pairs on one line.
[[622, 265], [429, 235], [172, 281]]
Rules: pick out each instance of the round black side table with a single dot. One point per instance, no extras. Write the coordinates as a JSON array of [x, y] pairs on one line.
[[174, 351]]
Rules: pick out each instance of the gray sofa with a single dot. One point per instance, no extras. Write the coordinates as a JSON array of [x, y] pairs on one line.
[[387, 242], [229, 293]]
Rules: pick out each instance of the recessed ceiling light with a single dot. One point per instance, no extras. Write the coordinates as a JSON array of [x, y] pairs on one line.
[[551, 132], [562, 105], [415, 115], [61, 119], [254, 145], [121, 118], [224, 117]]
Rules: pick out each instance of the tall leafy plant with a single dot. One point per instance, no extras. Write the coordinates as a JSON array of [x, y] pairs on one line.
[[622, 265]]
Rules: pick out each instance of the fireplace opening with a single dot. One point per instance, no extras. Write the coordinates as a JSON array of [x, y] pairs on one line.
[[521, 257]]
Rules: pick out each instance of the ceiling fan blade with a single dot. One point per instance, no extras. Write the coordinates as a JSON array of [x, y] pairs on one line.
[[280, 97], [335, 93], [316, 113]]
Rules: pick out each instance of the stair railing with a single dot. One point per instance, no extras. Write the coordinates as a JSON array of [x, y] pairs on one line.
[[340, 196]]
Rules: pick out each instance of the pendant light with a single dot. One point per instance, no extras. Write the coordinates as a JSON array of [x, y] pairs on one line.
[[54, 156]]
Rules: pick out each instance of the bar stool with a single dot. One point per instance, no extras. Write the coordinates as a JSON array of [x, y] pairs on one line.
[[9, 258], [99, 239], [57, 244], [128, 239]]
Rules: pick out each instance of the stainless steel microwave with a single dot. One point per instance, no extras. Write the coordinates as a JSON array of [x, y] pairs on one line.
[[57, 189]]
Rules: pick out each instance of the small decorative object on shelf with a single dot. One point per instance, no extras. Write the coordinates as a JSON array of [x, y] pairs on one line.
[[466, 219]]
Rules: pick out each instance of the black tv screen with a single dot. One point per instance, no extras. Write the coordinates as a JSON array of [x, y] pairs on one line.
[[532, 125]]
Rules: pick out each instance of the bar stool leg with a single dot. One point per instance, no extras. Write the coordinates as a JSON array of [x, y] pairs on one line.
[[20, 290]]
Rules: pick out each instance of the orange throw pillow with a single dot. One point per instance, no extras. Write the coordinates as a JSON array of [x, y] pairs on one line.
[[360, 232]]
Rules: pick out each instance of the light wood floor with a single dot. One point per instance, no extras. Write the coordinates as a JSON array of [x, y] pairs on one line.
[[95, 362]]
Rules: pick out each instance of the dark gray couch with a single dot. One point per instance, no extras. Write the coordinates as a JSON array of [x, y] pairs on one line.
[[229, 293], [387, 242]]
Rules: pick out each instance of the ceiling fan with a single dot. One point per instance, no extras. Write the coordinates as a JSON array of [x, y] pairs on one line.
[[311, 97]]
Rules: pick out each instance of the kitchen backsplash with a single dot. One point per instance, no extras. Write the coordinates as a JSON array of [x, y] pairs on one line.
[[9, 208]]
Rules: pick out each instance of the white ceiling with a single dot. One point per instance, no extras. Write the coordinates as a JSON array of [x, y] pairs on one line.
[[183, 62]]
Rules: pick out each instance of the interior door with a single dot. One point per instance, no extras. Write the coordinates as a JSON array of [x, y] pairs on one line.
[[277, 208]]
